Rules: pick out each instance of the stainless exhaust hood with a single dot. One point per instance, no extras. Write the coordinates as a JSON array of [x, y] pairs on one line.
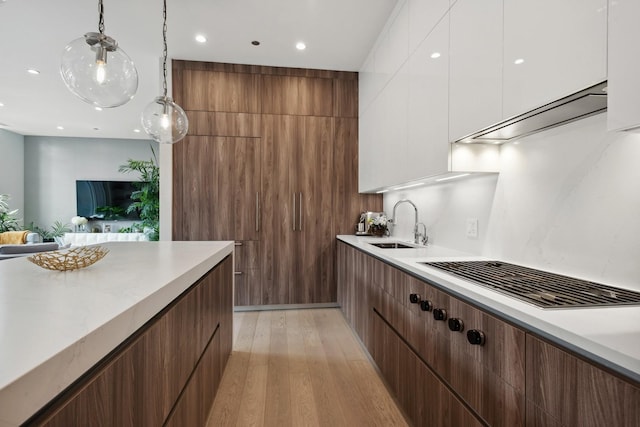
[[585, 103]]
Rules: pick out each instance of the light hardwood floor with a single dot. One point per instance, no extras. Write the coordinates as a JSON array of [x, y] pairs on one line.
[[300, 368]]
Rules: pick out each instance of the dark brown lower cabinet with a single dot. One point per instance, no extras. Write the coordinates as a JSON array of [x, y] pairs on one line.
[[167, 372], [424, 398], [563, 390], [439, 379]]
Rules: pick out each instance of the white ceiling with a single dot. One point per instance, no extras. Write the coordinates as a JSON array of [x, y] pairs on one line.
[[33, 33]]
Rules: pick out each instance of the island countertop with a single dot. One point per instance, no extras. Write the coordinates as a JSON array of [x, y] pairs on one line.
[[54, 326], [606, 335]]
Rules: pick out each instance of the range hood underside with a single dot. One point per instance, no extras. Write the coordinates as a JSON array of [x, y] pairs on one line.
[[585, 103]]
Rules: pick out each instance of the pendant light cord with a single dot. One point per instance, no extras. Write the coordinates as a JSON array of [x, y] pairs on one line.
[[101, 17], [164, 52]]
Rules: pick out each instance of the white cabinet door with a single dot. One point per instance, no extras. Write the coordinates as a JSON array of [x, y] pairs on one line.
[[475, 85], [552, 49], [624, 65], [423, 17], [428, 139], [392, 48]]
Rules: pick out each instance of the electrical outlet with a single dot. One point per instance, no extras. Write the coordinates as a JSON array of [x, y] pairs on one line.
[[472, 228]]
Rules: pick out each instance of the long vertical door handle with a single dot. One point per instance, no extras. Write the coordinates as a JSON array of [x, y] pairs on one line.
[[300, 216], [294, 211], [257, 211]]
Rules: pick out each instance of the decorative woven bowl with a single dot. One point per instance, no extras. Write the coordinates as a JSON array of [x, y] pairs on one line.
[[71, 259]]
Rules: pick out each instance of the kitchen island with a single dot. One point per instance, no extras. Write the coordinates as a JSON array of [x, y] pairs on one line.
[[492, 359], [60, 331]]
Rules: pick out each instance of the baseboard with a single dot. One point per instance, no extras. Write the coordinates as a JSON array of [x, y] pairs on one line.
[[285, 306]]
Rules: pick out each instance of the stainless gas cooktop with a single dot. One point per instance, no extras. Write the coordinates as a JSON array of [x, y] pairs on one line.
[[540, 288]]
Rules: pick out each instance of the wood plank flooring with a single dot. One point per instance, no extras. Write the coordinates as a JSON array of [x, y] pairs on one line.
[[300, 368]]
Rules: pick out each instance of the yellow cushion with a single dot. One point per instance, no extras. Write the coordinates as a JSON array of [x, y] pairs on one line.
[[13, 237]]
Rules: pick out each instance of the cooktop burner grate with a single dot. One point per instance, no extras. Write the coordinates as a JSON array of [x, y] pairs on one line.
[[541, 288]]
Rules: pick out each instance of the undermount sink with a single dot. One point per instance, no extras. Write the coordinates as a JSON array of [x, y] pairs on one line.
[[392, 245]]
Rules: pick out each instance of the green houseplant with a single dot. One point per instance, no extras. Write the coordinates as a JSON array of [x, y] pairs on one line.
[[58, 229], [8, 219], [146, 197]]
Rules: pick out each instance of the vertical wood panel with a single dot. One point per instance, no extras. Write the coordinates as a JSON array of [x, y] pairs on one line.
[[280, 94], [246, 188], [277, 241], [314, 258], [345, 98], [348, 204], [315, 97]]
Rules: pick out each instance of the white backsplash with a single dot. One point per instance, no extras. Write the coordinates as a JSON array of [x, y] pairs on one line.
[[566, 200]]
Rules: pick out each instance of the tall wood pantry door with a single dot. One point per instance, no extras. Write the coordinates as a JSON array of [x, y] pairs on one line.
[[297, 244]]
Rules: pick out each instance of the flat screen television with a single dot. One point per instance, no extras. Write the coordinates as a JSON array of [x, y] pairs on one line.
[[105, 200]]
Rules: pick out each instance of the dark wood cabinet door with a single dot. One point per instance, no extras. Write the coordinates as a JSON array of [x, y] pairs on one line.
[[207, 90], [246, 188], [295, 95], [572, 392], [278, 220], [313, 281], [218, 181]]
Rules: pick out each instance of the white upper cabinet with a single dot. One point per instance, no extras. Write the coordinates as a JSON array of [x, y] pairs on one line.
[[475, 79], [423, 17], [552, 49], [427, 144], [624, 65]]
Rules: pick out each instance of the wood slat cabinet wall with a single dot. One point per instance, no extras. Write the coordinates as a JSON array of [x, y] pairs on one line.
[[141, 382], [304, 168], [514, 379]]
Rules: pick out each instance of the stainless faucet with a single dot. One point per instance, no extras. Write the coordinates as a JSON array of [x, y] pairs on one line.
[[417, 236]]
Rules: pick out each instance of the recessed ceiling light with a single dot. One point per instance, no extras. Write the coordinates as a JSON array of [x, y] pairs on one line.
[[1, 104], [518, 61], [201, 38], [435, 55], [60, 128], [98, 108], [301, 46], [33, 71], [255, 43], [136, 130]]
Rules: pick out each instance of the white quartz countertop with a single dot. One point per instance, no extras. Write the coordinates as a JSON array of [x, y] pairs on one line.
[[607, 335], [54, 326]]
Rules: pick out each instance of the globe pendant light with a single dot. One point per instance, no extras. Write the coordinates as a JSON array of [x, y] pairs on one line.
[[97, 71], [164, 120]]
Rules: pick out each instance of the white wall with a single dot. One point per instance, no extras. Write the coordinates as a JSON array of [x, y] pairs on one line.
[[52, 165], [566, 200], [12, 169]]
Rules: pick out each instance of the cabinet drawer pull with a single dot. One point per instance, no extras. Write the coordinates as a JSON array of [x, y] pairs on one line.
[[440, 314], [294, 212], [456, 325], [257, 211], [237, 273], [300, 213], [426, 305], [238, 243], [475, 337]]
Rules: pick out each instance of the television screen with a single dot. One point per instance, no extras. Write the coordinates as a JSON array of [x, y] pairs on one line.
[[106, 200]]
